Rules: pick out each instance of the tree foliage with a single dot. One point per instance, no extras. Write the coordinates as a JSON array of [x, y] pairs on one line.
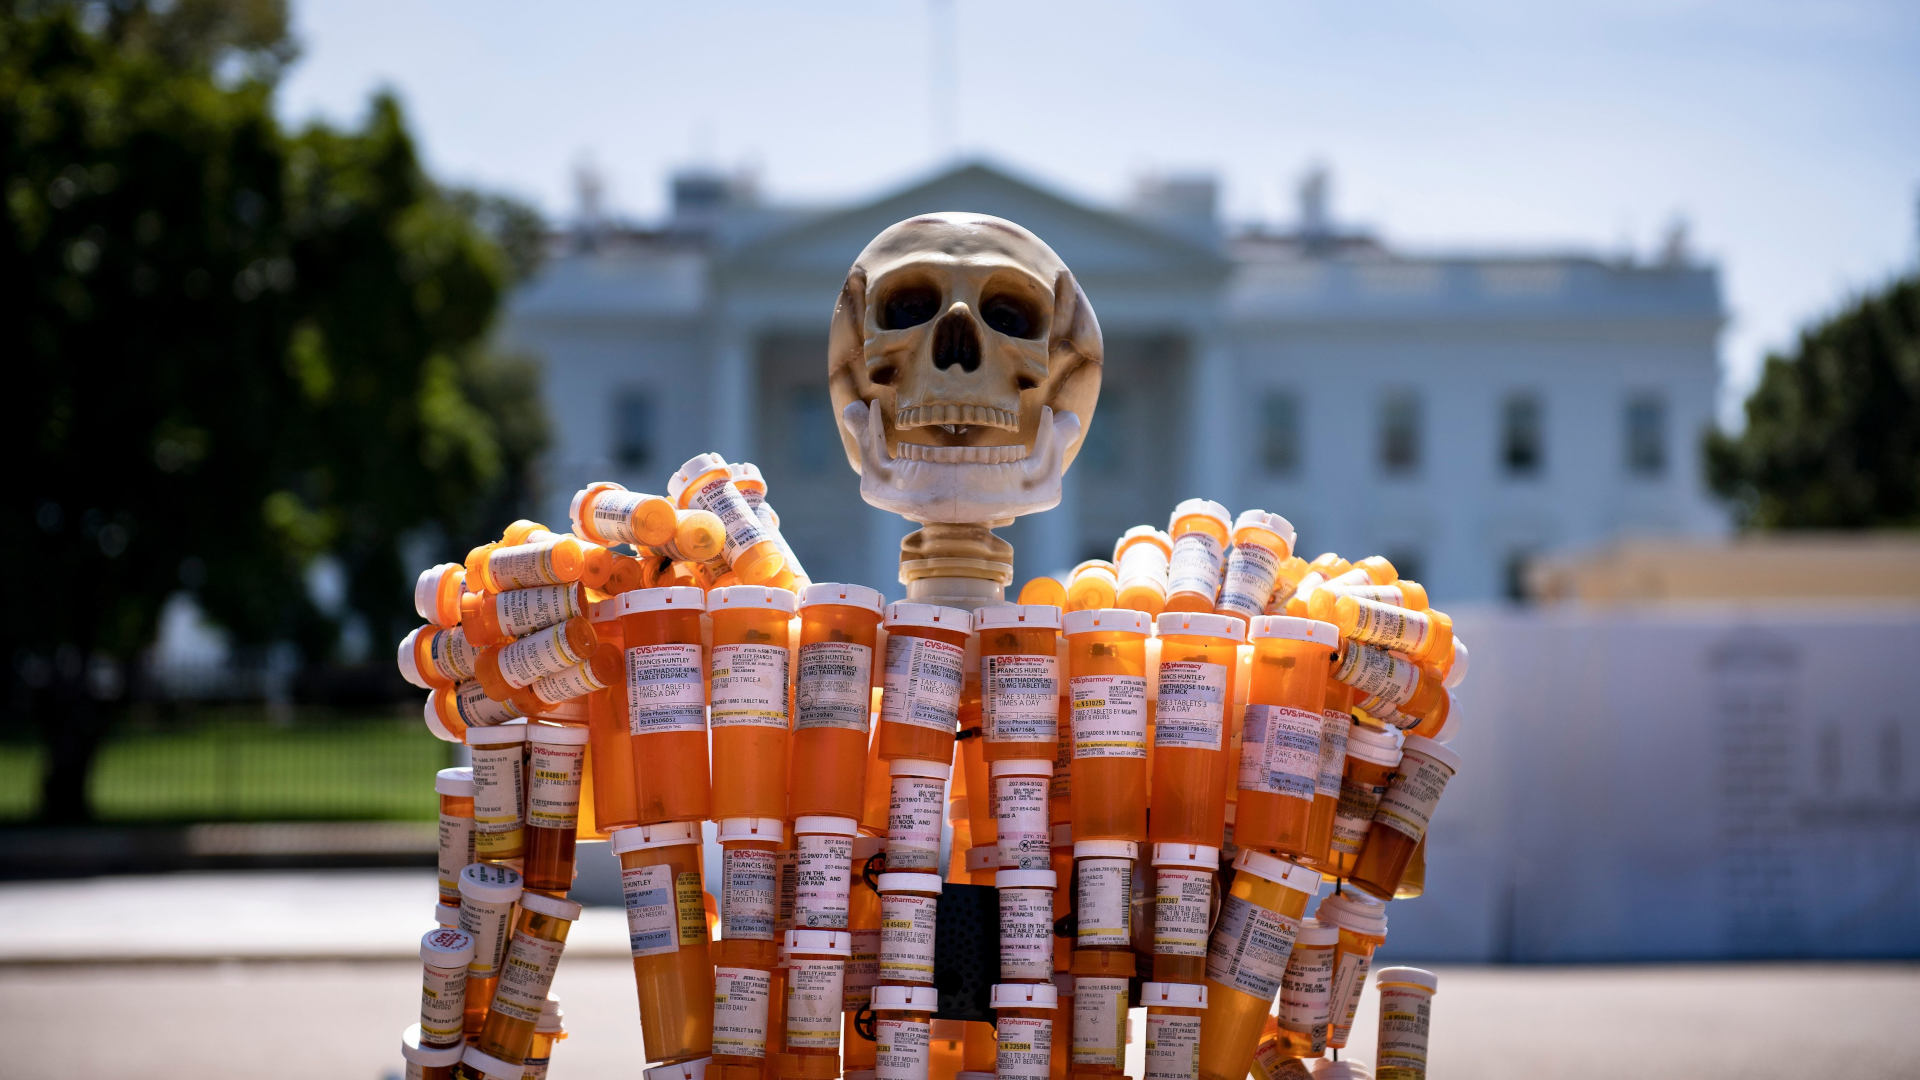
[[1832, 439], [241, 349]]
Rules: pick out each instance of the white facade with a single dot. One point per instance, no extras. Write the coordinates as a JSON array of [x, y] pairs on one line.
[[1366, 394]]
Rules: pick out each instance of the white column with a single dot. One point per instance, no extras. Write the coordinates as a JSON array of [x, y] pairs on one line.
[[731, 389], [1216, 411]]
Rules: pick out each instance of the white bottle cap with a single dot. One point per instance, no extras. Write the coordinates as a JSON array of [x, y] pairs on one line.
[[1018, 617], [1140, 534], [409, 665], [1458, 672], [490, 883], [938, 770], [820, 942], [554, 907], [1020, 767], [436, 1057], [576, 509], [983, 857], [1026, 879], [840, 594], [1279, 871], [1108, 621], [1289, 628], [697, 466], [1260, 519], [1344, 1069], [1315, 933], [557, 734], [1445, 755], [446, 947], [426, 589], [902, 613], [1201, 508], [1025, 996], [649, 837], [666, 598], [747, 471], [1450, 727], [1354, 911], [457, 781], [437, 723], [866, 847], [607, 610], [1198, 856], [446, 914], [913, 883], [906, 998], [1105, 849], [550, 1016], [825, 824], [513, 731], [763, 830], [1173, 995], [680, 1070], [1378, 747], [750, 597], [490, 1067], [1409, 976], [1200, 624]]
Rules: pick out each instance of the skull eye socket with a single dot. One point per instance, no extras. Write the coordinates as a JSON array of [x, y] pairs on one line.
[[909, 305], [1011, 315]]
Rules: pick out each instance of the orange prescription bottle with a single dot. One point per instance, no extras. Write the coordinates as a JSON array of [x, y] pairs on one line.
[[705, 483], [1362, 922], [1425, 637], [1107, 677], [1280, 735], [548, 1031], [1286, 582], [823, 874], [1141, 557], [608, 736], [691, 1069], [450, 712], [1061, 864], [1026, 924], [493, 618], [1261, 542], [1092, 584], [1183, 885], [445, 954], [1024, 1029], [839, 625], [1414, 882], [1199, 529], [901, 1031], [667, 934], [742, 1002], [1305, 1001], [909, 908], [1336, 722], [432, 657], [1019, 680], [1020, 805], [447, 914], [606, 513], [750, 883], [556, 561], [863, 964], [753, 488], [1325, 565], [527, 975], [915, 813], [499, 799], [1372, 757], [750, 685], [1099, 1034], [437, 592], [1372, 570], [1173, 1029], [487, 896], [556, 763], [1406, 1010], [524, 661], [1393, 689], [1252, 941], [1400, 820], [925, 669], [1103, 893], [666, 702], [1272, 1062], [477, 1064], [1190, 769], [455, 788], [1406, 593], [428, 1062], [816, 975], [1044, 590]]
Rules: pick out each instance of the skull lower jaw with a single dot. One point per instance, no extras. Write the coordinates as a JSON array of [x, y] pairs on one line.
[[989, 485]]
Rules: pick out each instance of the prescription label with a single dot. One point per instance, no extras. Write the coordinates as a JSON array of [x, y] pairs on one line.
[[1020, 697], [1104, 901], [901, 1049], [1271, 1063], [577, 681], [1405, 1012], [652, 915], [749, 893], [1020, 811], [527, 977], [823, 874], [1026, 934], [612, 515], [834, 689], [666, 689], [1280, 751], [1377, 673], [906, 938], [725, 501], [1099, 1021], [1391, 627], [813, 1003], [1025, 1050], [553, 786], [1061, 787], [863, 969], [1173, 1047], [1182, 907], [525, 611], [922, 683], [914, 816], [536, 656], [1353, 813], [451, 655], [1408, 804], [740, 1011], [1109, 716], [1251, 946], [1195, 565], [523, 566], [1249, 581], [476, 709], [496, 797], [750, 686], [692, 902], [1192, 706], [456, 853], [1343, 999], [1304, 993], [1334, 728], [443, 995]]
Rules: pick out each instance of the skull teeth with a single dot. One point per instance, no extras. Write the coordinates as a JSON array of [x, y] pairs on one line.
[[973, 455], [960, 415]]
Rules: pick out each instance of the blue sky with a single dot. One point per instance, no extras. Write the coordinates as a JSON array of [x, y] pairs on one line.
[[1786, 135]]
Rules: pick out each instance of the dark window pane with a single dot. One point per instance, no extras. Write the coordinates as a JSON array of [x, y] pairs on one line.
[[1280, 432], [1513, 573], [1400, 434], [1408, 563], [1521, 437], [1646, 435], [813, 438], [632, 429]]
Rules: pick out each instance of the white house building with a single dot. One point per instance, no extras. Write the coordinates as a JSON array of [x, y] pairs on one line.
[[1458, 413]]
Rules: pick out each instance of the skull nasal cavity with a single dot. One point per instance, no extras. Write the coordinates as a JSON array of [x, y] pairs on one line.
[[955, 341]]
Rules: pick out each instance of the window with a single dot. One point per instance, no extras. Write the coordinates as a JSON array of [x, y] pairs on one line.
[[1407, 563], [813, 439], [1521, 448], [1513, 574], [632, 429], [1280, 432], [1400, 432], [1646, 435]]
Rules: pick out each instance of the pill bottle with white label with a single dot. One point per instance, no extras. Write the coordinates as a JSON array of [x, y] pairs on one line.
[[909, 910], [1107, 678], [816, 975], [916, 810], [551, 1029], [1060, 861], [606, 513], [1044, 590], [1280, 735], [1326, 565], [750, 883], [1306, 989], [699, 1068], [1024, 1029], [1362, 922], [1261, 543], [555, 766], [1019, 680], [487, 896], [1247, 957], [743, 981], [1372, 570], [1336, 723], [1400, 820], [901, 1029], [428, 1062], [601, 669], [499, 800], [1286, 581], [1200, 530], [1100, 1011], [447, 914], [1060, 792], [445, 954], [1198, 655], [477, 1064], [1183, 892], [1394, 690], [1425, 637], [1271, 1062], [666, 682], [1090, 585], [431, 657], [1173, 1029], [558, 560], [863, 965], [1327, 1069], [1103, 894], [527, 974], [1406, 593], [1413, 882], [1141, 556], [496, 618], [1372, 757], [437, 592], [753, 487], [823, 871], [1406, 1013], [972, 787], [1026, 924], [1020, 805], [608, 736], [833, 698], [698, 538], [667, 934], [923, 673], [455, 788], [705, 483], [750, 684]]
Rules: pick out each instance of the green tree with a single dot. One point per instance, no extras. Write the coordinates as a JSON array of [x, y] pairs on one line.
[[241, 350], [1832, 439]]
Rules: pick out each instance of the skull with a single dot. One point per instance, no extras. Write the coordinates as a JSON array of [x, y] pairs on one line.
[[964, 363]]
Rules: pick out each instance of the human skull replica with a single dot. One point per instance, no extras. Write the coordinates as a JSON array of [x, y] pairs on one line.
[[964, 363]]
